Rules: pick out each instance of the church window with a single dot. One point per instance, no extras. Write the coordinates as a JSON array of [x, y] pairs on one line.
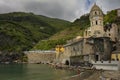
[[96, 22], [95, 13]]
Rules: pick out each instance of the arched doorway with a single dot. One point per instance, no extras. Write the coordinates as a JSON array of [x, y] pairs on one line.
[[67, 62]]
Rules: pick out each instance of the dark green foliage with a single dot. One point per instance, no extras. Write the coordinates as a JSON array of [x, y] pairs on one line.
[[13, 57], [14, 37], [48, 44], [83, 22], [76, 29], [110, 17], [20, 31]]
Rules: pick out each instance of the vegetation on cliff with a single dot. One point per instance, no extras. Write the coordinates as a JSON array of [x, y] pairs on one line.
[[20, 31], [111, 17], [75, 29]]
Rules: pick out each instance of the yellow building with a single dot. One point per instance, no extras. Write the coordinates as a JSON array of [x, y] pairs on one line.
[[59, 50]]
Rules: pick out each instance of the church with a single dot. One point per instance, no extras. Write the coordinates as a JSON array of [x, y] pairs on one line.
[[96, 43], [97, 28]]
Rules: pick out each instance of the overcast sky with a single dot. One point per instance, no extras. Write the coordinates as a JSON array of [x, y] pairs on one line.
[[63, 9]]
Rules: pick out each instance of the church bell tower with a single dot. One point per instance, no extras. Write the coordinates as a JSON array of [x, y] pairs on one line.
[[96, 23]]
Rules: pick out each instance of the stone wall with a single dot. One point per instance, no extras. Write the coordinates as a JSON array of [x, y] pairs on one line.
[[100, 48], [40, 56]]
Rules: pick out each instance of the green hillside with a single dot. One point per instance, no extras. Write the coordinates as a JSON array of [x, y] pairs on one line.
[[20, 31], [111, 17], [76, 29]]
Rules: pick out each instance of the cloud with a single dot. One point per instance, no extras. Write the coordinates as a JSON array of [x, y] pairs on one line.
[[89, 3], [63, 9], [108, 5]]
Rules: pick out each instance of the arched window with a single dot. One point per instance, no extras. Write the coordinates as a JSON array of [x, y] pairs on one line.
[[96, 22], [95, 13]]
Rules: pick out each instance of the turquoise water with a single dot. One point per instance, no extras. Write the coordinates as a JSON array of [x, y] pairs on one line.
[[31, 72]]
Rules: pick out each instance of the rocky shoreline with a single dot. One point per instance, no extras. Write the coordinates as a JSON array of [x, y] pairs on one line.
[[95, 75], [87, 73]]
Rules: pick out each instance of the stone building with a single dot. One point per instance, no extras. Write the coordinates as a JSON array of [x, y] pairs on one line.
[[73, 49], [98, 36], [90, 49], [86, 50], [97, 49], [111, 31]]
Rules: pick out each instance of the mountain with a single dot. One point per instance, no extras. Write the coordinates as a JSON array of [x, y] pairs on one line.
[[20, 31]]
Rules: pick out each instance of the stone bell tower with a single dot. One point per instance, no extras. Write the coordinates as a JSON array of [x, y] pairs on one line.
[[96, 23]]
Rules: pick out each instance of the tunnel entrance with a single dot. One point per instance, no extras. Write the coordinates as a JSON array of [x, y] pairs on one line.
[[67, 62]]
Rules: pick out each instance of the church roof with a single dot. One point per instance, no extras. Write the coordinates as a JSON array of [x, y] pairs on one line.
[[95, 7]]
